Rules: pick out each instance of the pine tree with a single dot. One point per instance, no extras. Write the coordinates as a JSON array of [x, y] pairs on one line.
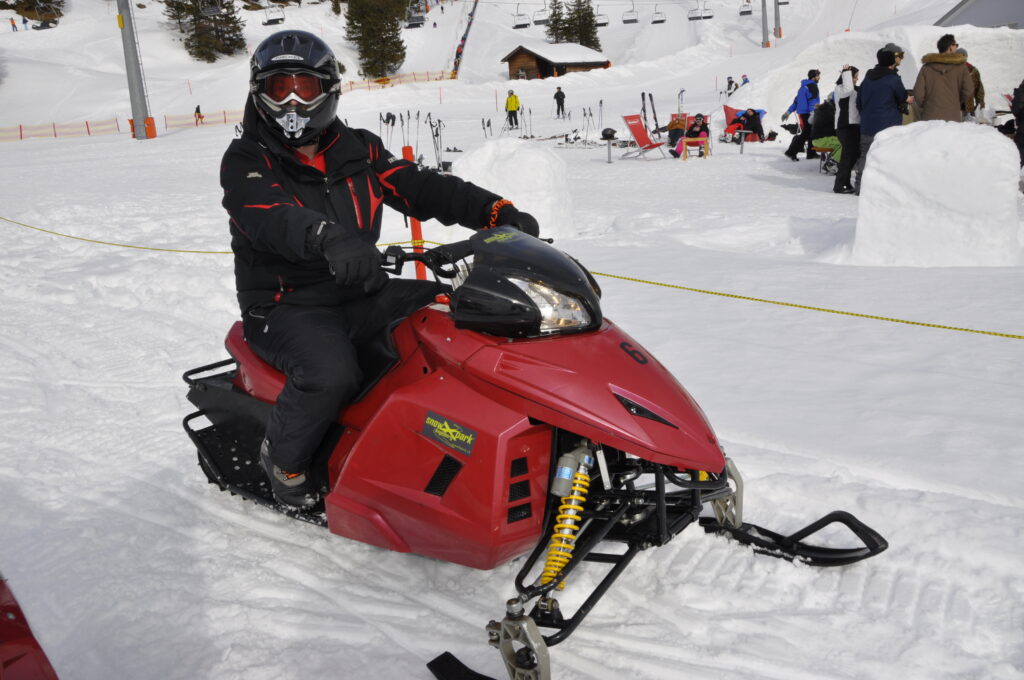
[[556, 22], [581, 24], [375, 26], [211, 27]]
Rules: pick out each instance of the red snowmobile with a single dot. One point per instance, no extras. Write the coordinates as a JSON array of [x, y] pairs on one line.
[[21, 657], [509, 417]]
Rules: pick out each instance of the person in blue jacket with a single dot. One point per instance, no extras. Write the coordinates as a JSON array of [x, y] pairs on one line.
[[881, 101], [806, 99]]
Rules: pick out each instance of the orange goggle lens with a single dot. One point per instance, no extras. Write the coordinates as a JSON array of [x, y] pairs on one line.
[[281, 85]]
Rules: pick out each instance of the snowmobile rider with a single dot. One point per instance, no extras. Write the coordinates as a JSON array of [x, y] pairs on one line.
[[304, 194]]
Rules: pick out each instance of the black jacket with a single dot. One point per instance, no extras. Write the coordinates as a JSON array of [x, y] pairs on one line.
[[272, 199]]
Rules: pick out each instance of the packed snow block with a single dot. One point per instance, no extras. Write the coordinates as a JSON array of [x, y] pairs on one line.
[[530, 175], [939, 194]]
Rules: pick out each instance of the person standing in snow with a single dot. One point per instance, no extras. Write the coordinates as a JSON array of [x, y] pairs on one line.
[[881, 101], [559, 103], [977, 99], [198, 115], [14, 26], [847, 127], [304, 194], [943, 84], [512, 110], [806, 99], [24, 23], [730, 86], [1017, 109]]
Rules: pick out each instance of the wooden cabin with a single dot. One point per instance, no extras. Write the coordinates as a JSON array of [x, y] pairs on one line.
[[546, 60]]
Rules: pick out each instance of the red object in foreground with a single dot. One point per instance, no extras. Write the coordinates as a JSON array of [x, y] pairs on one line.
[[21, 657]]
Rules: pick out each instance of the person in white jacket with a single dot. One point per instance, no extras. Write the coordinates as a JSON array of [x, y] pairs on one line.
[[847, 127]]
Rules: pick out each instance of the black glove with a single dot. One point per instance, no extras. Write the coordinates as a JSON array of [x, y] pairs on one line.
[[352, 260], [524, 222]]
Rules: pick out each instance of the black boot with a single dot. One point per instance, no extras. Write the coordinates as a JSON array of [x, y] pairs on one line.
[[290, 488]]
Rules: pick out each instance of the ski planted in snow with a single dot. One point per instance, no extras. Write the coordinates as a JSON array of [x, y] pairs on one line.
[[654, 113]]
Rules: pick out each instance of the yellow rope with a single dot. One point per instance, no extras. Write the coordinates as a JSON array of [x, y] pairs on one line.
[[417, 243], [815, 309], [119, 245]]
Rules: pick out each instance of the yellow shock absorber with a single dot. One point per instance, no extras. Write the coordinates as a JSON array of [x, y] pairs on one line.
[[563, 538]]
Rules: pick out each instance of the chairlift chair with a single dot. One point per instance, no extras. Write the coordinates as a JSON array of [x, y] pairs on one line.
[[746, 9], [600, 19], [707, 13], [658, 17], [631, 16], [210, 8], [695, 14], [414, 20], [273, 16], [540, 17], [783, 2], [520, 20]]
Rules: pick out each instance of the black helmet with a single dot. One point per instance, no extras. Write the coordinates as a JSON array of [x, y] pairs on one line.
[[295, 85], [608, 133]]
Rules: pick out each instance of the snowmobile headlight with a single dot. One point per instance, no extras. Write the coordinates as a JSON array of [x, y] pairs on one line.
[[558, 312]]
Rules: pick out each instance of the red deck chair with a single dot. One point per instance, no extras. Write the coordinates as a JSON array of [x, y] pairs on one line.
[[730, 114], [643, 140]]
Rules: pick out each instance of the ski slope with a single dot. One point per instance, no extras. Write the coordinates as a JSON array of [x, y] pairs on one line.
[[129, 564]]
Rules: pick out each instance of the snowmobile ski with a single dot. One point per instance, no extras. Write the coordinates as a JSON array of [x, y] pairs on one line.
[[792, 547]]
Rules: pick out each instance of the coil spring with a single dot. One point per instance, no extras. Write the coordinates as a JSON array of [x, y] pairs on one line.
[[563, 537]]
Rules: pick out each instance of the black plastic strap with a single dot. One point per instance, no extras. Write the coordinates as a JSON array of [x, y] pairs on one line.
[[448, 667]]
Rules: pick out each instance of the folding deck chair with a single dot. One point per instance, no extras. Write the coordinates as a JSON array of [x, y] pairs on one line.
[[642, 139], [730, 115], [693, 142]]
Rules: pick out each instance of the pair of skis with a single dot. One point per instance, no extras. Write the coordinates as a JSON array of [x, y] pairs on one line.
[[644, 98]]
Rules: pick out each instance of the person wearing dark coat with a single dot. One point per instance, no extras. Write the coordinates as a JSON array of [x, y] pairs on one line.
[[1017, 109], [749, 121], [559, 103], [806, 99], [305, 197], [881, 102]]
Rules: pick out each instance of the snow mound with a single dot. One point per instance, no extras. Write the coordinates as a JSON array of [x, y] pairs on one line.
[[531, 176], [914, 210]]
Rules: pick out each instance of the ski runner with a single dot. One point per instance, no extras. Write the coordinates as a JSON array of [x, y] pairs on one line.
[[304, 194]]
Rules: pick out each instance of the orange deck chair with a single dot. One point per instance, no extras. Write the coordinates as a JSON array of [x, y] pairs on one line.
[[643, 140]]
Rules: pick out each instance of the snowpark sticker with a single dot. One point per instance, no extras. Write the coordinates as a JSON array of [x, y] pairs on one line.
[[449, 433]]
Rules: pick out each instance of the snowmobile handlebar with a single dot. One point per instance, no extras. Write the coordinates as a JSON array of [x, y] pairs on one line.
[[440, 260]]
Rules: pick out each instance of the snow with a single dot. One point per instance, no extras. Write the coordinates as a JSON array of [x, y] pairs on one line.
[[940, 225], [128, 564]]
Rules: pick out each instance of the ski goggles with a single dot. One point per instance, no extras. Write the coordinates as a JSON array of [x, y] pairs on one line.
[[306, 88]]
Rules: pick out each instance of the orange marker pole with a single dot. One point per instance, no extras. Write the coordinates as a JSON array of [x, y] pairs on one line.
[[417, 228]]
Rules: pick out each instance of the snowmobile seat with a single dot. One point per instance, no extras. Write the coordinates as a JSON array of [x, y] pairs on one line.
[[642, 139], [259, 378]]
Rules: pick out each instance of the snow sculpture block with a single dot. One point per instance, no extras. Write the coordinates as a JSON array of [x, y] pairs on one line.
[[939, 194], [530, 175]]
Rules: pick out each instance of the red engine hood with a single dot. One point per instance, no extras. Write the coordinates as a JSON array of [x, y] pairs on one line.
[[574, 381]]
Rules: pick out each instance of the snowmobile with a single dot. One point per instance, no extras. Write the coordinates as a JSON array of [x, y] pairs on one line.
[[21, 657], [506, 418]]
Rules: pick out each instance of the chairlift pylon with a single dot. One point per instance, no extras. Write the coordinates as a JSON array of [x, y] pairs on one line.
[[658, 17], [520, 20], [600, 19], [630, 16]]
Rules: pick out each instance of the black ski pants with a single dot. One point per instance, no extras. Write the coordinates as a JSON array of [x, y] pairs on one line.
[[560, 108], [513, 119], [803, 139], [849, 137], [316, 348]]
